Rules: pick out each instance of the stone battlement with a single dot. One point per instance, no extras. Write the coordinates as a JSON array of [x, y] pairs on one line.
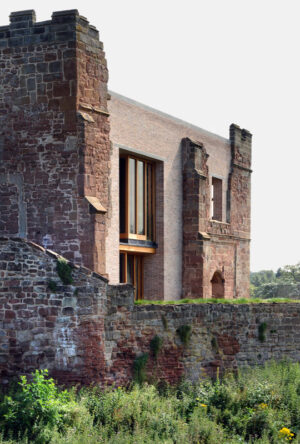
[[68, 25]]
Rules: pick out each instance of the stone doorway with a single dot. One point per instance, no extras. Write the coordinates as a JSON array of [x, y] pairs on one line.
[[217, 285]]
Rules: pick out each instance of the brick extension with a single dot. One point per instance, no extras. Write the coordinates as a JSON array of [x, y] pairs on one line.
[[56, 159]]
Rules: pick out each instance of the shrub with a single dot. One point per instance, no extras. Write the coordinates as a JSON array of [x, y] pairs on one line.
[[156, 345], [64, 271], [35, 408], [139, 365], [185, 333], [52, 285], [257, 406], [262, 331]]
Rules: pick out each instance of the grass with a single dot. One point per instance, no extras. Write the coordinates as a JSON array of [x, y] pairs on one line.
[[260, 405], [217, 301]]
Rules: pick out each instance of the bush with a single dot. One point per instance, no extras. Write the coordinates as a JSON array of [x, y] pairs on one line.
[[260, 406], [64, 271], [35, 408]]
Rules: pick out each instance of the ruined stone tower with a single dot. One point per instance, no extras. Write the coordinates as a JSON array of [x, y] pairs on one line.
[[54, 135]]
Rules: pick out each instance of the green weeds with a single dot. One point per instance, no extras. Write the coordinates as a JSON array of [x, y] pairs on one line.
[[64, 271], [260, 405], [217, 301], [185, 333], [156, 345], [139, 366]]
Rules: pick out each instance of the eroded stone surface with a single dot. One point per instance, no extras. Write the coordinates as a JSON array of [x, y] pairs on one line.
[[91, 332]]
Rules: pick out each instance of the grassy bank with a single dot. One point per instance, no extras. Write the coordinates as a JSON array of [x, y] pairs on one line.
[[261, 405], [218, 301]]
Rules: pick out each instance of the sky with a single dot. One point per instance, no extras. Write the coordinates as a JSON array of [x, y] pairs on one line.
[[213, 63]]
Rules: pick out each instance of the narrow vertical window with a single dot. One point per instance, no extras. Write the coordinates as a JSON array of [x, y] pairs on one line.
[[150, 201], [122, 267], [216, 201], [132, 205], [140, 191], [122, 191], [130, 269]]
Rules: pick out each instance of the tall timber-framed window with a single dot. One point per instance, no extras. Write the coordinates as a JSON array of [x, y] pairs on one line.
[[137, 198]]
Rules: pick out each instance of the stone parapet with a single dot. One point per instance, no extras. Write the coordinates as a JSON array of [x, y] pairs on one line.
[[89, 332]]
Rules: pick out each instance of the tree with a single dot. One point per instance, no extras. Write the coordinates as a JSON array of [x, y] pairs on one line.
[[289, 273]]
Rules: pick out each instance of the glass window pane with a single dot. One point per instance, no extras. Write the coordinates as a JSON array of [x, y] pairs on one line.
[[136, 274], [131, 179], [122, 268], [140, 198], [122, 195], [149, 203], [140, 278], [130, 269]]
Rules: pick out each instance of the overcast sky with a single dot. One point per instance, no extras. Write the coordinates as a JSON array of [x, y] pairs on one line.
[[211, 63]]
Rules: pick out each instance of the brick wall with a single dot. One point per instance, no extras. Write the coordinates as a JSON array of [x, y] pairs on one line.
[[53, 126], [188, 260], [148, 131]]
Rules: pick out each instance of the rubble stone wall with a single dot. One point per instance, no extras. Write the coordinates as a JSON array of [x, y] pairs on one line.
[[223, 336], [54, 134], [45, 324], [91, 332]]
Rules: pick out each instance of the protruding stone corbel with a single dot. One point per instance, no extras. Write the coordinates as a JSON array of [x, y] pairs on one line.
[[96, 204]]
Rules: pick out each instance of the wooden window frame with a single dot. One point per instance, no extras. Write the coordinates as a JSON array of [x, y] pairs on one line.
[[139, 259], [127, 234]]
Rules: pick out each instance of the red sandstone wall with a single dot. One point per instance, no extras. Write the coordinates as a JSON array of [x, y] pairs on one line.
[[62, 330], [49, 150], [223, 336], [211, 246], [89, 332]]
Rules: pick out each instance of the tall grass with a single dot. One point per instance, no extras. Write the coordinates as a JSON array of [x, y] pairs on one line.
[[218, 301], [260, 405]]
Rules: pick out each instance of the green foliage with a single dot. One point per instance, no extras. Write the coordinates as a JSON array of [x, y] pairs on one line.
[[35, 408], [257, 406], [52, 285], [156, 345], [266, 284], [214, 344], [64, 271], [139, 365], [253, 300], [164, 321], [262, 331], [185, 333], [258, 278], [289, 273]]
